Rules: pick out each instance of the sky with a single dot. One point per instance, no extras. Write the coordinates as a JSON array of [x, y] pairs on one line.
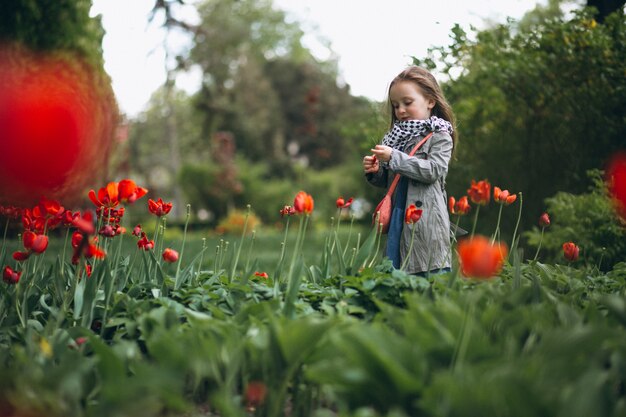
[[373, 40]]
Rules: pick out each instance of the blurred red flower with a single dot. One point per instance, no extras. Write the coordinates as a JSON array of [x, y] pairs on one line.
[[480, 192], [287, 211], [570, 251], [10, 276], [303, 203], [616, 179], [144, 243], [341, 203], [460, 207], [255, 394], [159, 208], [170, 255], [262, 274], [479, 258]]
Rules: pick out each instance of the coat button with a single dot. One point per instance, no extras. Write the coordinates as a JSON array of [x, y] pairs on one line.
[[418, 203]]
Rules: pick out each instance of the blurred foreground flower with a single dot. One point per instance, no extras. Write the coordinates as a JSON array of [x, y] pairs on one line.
[[479, 258], [255, 394], [616, 179]]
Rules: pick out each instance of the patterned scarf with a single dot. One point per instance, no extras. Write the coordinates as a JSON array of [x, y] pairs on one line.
[[403, 131]]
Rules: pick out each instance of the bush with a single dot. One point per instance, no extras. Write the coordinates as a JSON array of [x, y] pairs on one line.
[[589, 220]]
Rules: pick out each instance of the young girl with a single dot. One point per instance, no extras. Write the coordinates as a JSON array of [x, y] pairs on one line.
[[418, 107]]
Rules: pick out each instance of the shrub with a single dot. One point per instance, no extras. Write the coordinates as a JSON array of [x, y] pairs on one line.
[[589, 220]]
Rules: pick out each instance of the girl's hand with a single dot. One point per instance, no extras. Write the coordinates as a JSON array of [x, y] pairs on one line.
[[370, 164], [382, 152]]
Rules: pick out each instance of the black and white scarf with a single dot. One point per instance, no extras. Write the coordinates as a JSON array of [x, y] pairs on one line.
[[403, 131]]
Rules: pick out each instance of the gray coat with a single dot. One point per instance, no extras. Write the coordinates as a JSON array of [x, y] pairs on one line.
[[426, 171]]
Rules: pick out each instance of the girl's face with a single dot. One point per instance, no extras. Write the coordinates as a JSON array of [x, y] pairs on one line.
[[408, 102]]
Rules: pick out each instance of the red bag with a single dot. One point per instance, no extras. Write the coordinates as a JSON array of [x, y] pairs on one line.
[[382, 212]]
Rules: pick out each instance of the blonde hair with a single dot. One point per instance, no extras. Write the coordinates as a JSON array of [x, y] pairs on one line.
[[429, 87]]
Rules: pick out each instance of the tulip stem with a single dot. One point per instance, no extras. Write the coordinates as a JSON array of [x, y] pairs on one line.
[[408, 254], [279, 267], [540, 240], [496, 233], [475, 220], [243, 234], [519, 217], [182, 246]]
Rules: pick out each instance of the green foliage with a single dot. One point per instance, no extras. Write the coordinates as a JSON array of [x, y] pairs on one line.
[[53, 25], [539, 339], [589, 220], [538, 102]]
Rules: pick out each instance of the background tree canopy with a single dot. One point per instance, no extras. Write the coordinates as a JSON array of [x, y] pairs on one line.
[[539, 102]]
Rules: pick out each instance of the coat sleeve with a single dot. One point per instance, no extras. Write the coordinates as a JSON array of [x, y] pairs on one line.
[[378, 179], [427, 166]]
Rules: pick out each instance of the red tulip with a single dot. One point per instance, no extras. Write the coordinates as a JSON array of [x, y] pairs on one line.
[[479, 258], [480, 192], [460, 207], [21, 256], [107, 196], [34, 242], [287, 211], [129, 192], [412, 214], [144, 243], [159, 208], [303, 203], [503, 196], [570, 251], [262, 275], [170, 255], [341, 203], [10, 276]]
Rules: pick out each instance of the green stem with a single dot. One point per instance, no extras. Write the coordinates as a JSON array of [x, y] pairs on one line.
[[475, 220], [243, 234], [349, 236], [250, 250], [67, 234], [539, 247], [519, 217], [279, 267], [408, 254], [182, 247], [497, 231]]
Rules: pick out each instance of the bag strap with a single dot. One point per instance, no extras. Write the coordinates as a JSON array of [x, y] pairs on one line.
[[396, 179]]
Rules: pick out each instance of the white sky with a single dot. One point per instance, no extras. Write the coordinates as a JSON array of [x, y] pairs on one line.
[[373, 39]]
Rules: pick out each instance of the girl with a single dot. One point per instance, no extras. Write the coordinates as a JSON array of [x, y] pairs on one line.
[[418, 107]]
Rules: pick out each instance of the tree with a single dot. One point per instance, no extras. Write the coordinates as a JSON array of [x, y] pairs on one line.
[[538, 104]]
